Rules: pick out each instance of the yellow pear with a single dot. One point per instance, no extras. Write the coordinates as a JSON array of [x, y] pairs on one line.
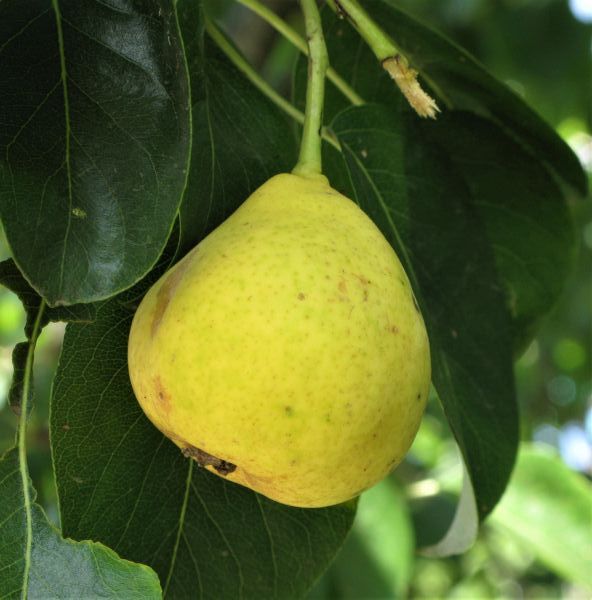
[[286, 351]]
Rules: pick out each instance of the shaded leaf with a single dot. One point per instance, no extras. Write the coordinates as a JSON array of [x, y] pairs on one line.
[[524, 213], [460, 83], [423, 207], [94, 141], [464, 526], [12, 527], [244, 139], [122, 483], [432, 517], [548, 508], [92, 569]]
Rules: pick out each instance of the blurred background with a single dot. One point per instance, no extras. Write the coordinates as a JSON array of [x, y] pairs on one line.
[[538, 542]]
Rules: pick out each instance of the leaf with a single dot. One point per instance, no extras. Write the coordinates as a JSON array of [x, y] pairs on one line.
[[244, 139], [377, 559], [94, 141], [548, 508], [12, 527], [524, 211], [461, 83], [11, 278], [122, 483], [92, 569], [463, 528], [424, 208]]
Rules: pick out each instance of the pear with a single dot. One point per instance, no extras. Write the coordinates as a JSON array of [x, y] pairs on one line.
[[286, 351]]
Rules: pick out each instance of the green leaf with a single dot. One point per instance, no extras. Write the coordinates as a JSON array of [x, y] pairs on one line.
[[457, 80], [524, 212], [548, 508], [377, 559], [94, 141], [421, 203], [244, 139], [12, 527], [122, 483], [54, 567]]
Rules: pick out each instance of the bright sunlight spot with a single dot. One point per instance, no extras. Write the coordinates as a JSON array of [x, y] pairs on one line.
[[581, 10]]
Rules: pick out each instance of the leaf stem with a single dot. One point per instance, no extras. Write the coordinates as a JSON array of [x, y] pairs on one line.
[[309, 161], [380, 43], [173, 561], [239, 61], [391, 58], [22, 443], [249, 72], [299, 42]]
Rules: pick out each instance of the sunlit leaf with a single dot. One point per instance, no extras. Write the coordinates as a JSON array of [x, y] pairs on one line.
[[46, 566], [548, 508]]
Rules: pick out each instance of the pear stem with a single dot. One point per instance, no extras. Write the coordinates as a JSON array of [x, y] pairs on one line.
[[249, 72], [299, 42], [243, 65], [309, 161], [391, 58]]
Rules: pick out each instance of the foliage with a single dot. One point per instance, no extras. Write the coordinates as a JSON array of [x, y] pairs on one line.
[[138, 132]]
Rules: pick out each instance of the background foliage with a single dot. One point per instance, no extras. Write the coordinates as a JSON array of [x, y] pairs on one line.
[[522, 43]]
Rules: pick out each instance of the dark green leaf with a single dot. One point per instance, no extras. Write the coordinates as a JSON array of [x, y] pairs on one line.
[[524, 212], [458, 81], [243, 138], [94, 141], [548, 508], [92, 569], [421, 203], [12, 527], [122, 483]]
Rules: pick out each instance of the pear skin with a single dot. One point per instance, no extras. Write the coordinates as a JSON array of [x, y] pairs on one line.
[[286, 351]]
